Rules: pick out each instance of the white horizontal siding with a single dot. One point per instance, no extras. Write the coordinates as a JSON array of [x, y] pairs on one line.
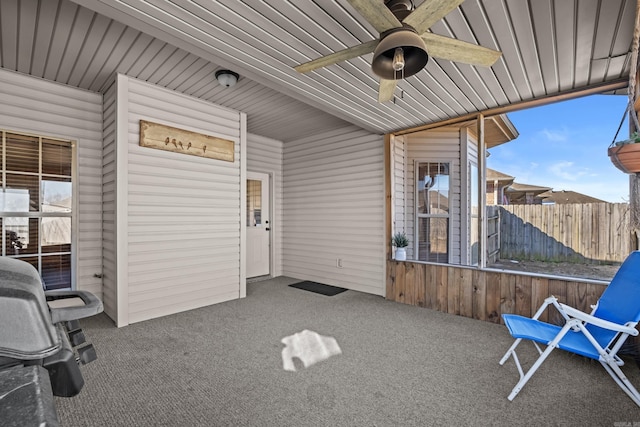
[[266, 155], [183, 212], [438, 145], [472, 149], [334, 208], [40, 107]]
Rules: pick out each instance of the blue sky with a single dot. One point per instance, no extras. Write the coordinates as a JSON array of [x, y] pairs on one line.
[[564, 146]]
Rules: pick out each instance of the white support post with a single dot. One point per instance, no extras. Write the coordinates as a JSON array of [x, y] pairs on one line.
[[482, 194], [243, 206]]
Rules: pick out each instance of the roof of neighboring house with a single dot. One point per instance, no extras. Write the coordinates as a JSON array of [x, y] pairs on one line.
[[517, 192], [563, 196], [494, 175], [527, 188]]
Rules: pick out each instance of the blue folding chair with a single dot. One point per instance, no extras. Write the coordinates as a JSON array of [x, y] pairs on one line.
[[598, 335]]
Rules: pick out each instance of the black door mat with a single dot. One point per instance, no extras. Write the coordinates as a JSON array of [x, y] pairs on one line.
[[318, 288]]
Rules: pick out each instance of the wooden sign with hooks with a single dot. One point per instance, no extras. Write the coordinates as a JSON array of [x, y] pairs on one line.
[[162, 137]]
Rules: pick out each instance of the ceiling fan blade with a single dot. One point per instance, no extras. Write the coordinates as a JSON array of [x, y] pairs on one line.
[[430, 12], [376, 13], [339, 56], [456, 50], [387, 88]]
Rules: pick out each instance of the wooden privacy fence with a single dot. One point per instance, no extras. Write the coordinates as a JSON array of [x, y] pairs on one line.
[[493, 233], [586, 233], [483, 295]]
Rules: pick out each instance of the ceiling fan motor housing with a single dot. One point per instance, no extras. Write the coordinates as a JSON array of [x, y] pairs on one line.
[[400, 8], [413, 47]]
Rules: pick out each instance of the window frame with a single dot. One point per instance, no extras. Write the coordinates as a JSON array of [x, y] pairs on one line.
[[417, 216], [73, 215], [472, 183]]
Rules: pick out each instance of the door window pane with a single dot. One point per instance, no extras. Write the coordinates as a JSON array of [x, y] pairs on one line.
[[254, 203]]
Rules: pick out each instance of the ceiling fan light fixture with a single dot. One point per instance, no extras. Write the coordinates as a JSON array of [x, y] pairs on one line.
[[227, 78], [398, 59], [386, 59]]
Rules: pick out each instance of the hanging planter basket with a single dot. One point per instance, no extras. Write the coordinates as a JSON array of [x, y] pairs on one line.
[[626, 157]]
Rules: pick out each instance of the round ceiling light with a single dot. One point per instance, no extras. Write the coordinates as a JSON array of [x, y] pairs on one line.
[[227, 78]]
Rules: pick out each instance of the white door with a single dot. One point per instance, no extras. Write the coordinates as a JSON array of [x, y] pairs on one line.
[[258, 224]]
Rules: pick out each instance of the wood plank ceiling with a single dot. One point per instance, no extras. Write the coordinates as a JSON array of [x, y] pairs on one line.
[[549, 47]]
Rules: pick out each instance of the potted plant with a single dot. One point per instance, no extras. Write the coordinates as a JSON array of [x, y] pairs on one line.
[[625, 155], [400, 241]]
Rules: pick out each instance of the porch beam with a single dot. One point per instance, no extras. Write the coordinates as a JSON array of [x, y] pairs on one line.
[[577, 93]]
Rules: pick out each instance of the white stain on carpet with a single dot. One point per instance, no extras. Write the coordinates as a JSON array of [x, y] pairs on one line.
[[308, 346]]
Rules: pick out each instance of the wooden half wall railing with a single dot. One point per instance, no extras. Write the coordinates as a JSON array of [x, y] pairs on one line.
[[484, 294]]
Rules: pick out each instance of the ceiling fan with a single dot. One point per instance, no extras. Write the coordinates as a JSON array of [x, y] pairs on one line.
[[405, 45]]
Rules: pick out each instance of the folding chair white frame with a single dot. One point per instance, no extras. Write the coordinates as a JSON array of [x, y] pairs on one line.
[[570, 337]]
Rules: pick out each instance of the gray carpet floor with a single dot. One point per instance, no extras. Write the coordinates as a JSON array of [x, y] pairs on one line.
[[400, 366]]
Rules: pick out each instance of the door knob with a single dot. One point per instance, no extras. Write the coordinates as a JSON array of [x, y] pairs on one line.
[[267, 229]]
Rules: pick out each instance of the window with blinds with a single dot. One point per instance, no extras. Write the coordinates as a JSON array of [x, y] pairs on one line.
[[36, 204]]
